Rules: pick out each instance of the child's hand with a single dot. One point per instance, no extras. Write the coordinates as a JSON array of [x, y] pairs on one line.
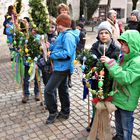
[[48, 53], [47, 45], [7, 25], [104, 59]]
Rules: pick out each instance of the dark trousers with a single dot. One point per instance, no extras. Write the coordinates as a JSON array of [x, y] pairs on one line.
[[26, 83], [57, 80]]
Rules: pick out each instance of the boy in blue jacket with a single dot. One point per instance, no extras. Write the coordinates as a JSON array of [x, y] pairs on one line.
[[62, 53]]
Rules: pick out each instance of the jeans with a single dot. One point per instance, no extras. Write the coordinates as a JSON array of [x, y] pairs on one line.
[[26, 83], [124, 123], [60, 81]]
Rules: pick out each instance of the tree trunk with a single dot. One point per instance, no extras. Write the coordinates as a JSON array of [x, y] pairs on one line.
[[134, 4]]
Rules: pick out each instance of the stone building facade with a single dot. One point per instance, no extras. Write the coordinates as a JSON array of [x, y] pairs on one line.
[[123, 8]]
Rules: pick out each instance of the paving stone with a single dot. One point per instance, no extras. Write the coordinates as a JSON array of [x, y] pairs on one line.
[[27, 121]]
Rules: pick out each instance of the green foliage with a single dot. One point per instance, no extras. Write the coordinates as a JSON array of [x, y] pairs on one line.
[[33, 47], [92, 5], [18, 6], [91, 60], [52, 6], [19, 40], [40, 15]]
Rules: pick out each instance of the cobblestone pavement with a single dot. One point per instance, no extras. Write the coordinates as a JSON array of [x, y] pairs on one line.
[[27, 121]]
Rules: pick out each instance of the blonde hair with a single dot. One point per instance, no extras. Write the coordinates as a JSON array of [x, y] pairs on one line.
[[52, 20], [62, 5]]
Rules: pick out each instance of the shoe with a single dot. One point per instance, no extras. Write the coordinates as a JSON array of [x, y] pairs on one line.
[[37, 97], [51, 118], [61, 115], [88, 129], [25, 99], [117, 137]]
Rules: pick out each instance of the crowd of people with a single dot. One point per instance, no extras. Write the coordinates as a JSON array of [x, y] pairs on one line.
[[66, 39]]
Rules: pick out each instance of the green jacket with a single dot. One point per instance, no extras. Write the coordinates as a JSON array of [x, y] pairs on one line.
[[127, 76]]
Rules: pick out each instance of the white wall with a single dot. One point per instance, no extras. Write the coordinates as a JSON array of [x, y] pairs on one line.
[[75, 8], [122, 5]]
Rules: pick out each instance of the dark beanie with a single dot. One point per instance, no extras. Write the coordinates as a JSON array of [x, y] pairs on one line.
[[64, 20], [81, 25]]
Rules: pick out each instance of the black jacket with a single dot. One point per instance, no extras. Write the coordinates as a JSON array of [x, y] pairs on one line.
[[112, 52]]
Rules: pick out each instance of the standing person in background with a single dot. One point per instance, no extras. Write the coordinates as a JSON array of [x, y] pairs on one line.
[[133, 22], [46, 65], [11, 12], [63, 9], [27, 77], [62, 52], [81, 44], [112, 19], [126, 78], [9, 30]]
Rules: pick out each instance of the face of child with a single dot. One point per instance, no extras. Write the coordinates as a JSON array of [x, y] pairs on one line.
[[52, 29], [60, 28], [124, 47], [63, 11], [104, 36], [33, 31], [133, 18]]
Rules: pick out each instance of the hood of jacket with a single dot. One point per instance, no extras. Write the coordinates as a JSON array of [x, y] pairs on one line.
[[75, 33], [132, 38]]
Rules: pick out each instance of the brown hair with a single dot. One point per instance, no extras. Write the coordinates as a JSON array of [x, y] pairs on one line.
[[52, 20], [62, 5]]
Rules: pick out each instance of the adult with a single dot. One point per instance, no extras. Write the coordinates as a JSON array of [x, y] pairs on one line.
[[133, 22], [112, 19]]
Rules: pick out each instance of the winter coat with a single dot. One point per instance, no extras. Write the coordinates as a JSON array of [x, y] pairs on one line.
[[63, 50], [112, 52], [127, 76], [9, 32], [82, 41], [115, 31], [132, 25]]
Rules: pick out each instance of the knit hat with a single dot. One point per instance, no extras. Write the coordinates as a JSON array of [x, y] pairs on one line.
[[64, 20], [105, 25], [81, 25], [135, 13]]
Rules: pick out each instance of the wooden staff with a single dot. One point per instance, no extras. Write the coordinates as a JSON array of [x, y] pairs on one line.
[[88, 128], [39, 86], [104, 49]]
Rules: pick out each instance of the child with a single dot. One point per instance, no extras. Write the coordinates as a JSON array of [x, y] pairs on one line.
[[127, 81], [27, 77], [46, 66], [112, 51], [62, 53], [64, 9], [9, 30]]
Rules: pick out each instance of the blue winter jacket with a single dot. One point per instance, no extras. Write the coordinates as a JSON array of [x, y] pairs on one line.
[[9, 32], [63, 50]]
